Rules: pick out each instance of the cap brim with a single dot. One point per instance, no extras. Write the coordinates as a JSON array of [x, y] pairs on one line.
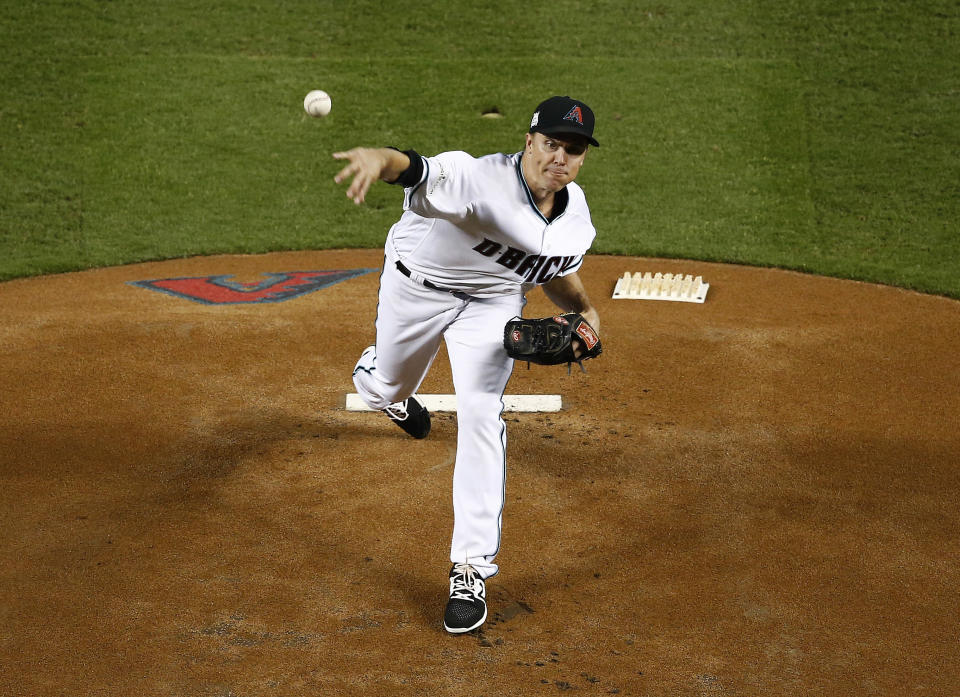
[[560, 130]]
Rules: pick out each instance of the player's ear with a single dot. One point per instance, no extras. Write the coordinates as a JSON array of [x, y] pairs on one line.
[[529, 144]]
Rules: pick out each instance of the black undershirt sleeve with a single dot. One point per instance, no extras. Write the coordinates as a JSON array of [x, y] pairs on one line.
[[411, 175]]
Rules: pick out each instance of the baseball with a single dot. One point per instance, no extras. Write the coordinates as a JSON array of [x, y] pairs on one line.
[[317, 103]]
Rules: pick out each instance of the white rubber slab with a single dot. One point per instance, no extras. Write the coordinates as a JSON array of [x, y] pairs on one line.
[[448, 402]]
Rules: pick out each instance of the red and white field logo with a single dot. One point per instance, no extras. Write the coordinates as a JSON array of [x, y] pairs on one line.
[[223, 290], [560, 320], [516, 336], [585, 332]]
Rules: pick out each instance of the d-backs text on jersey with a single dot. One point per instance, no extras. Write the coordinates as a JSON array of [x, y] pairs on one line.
[[533, 268]]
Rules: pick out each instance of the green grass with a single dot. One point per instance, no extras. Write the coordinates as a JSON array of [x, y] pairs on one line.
[[803, 135]]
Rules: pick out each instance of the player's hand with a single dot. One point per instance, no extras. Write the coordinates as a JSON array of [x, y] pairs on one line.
[[365, 165]]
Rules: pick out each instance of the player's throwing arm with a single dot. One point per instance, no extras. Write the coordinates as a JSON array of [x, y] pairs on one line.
[[368, 165]]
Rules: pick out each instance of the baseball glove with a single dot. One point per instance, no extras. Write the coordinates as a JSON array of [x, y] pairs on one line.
[[550, 340]]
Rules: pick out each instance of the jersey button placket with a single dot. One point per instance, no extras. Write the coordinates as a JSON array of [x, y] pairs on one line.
[[546, 245]]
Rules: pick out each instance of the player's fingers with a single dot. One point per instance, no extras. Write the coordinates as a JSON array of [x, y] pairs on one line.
[[358, 188], [362, 194], [346, 154], [356, 168], [345, 172], [363, 171], [351, 168]]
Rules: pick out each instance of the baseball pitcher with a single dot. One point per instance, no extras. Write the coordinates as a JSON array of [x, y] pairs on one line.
[[475, 235]]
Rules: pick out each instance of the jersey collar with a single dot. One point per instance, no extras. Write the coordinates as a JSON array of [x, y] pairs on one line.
[[560, 199]]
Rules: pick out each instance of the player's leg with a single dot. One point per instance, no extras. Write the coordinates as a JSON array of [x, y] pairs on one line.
[[410, 323], [481, 369]]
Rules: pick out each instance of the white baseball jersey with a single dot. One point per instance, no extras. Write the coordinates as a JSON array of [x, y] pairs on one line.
[[471, 225]]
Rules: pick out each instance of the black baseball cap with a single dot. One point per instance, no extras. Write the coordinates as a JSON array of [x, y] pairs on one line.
[[564, 115]]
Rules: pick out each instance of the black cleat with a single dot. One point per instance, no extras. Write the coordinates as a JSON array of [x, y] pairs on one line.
[[411, 416], [467, 607]]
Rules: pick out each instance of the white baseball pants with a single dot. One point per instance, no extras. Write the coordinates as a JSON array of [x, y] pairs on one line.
[[411, 321]]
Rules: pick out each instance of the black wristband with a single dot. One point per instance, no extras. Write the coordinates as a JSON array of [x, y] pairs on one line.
[[412, 174]]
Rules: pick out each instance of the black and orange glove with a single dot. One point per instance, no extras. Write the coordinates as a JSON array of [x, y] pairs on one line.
[[553, 340]]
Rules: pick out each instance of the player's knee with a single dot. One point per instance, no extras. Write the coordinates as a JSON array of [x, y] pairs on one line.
[[376, 393], [477, 408]]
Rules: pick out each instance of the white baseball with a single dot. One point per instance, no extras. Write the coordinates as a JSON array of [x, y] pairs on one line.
[[317, 103]]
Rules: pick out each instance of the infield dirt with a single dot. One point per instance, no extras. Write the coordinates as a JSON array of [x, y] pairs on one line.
[[753, 496]]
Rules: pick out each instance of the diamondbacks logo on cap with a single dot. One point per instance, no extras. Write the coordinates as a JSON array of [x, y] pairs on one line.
[[574, 115]]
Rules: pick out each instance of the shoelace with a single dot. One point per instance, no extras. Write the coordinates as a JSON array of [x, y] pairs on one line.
[[463, 580], [397, 411]]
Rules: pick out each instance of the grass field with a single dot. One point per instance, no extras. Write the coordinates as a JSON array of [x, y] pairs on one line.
[[810, 135]]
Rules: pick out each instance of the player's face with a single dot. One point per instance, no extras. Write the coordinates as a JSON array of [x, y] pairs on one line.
[[555, 161]]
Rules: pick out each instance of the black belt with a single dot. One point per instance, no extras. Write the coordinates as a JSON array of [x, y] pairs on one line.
[[433, 286]]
